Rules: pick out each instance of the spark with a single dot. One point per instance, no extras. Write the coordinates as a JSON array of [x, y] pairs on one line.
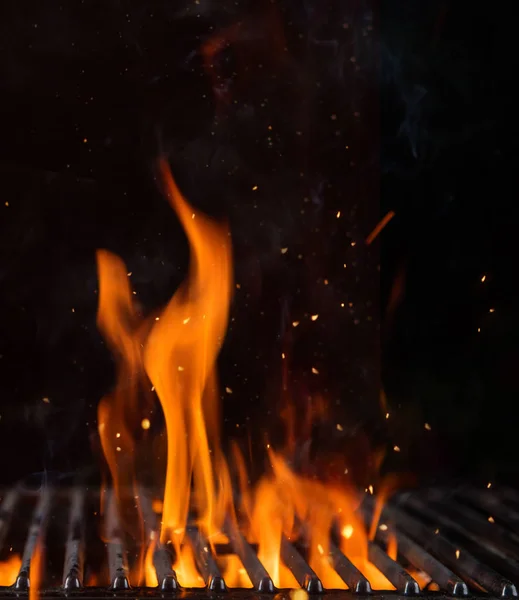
[[457, 553], [382, 527], [118, 448], [320, 548], [489, 485], [339, 427], [492, 310], [186, 320], [46, 400], [295, 323], [314, 317], [117, 435], [427, 426], [283, 355], [180, 368], [491, 520], [436, 531], [387, 415], [145, 424], [380, 226], [370, 488], [85, 140], [396, 448], [254, 188], [228, 390], [193, 216], [483, 279], [284, 250], [347, 531], [157, 318], [315, 371], [353, 244], [338, 214], [342, 304]]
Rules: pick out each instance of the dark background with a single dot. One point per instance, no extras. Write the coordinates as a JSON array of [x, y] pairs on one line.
[[325, 106]]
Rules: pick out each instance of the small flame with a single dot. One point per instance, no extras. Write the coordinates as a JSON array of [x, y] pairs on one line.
[[9, 569], [149, 568], [36, 571], [185, 568], [233, 572]]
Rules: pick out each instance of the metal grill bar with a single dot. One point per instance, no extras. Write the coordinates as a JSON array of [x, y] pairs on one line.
[[117, 561], [6, 511], [74, 553], [166, 576], [205, 560], [257, 573], [35, 536], [398, 576], [348, 572], [302, 571]]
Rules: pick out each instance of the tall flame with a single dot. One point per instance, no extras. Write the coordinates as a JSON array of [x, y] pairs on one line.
[[180, 356]]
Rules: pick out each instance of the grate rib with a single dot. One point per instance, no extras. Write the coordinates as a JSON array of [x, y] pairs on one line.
[[7, 509], [35, 536], [396, 574], [166, 576], [74, 552], [257, 573], [205, 560], [301, 570], [117, 562], [348, 572]]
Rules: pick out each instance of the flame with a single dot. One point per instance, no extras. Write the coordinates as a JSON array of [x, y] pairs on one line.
[[149, 568], [121, 325], [185, 568], [180, 355], [9, 569], [36, 571], [233, 572]]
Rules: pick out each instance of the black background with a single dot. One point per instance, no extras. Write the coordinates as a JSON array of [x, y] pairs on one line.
[[324, 106]]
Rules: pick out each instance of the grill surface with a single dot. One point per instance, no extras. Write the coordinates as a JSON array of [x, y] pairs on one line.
[[457, 543]]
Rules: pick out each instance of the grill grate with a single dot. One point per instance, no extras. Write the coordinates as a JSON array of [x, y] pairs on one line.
[[462, 542]]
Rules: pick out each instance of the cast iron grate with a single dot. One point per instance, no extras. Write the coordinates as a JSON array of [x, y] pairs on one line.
[[450, 543]]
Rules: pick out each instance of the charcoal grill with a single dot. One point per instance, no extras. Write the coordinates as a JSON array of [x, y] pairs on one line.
[[463, 543]]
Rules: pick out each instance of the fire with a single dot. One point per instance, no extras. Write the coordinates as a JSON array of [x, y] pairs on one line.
[[180, 355], [186, 570], [9, 569], [36, 572], [174, 352]]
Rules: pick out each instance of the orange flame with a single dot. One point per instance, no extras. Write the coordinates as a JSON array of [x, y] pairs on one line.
[[9, 569], [36, 572], [180, 355]]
